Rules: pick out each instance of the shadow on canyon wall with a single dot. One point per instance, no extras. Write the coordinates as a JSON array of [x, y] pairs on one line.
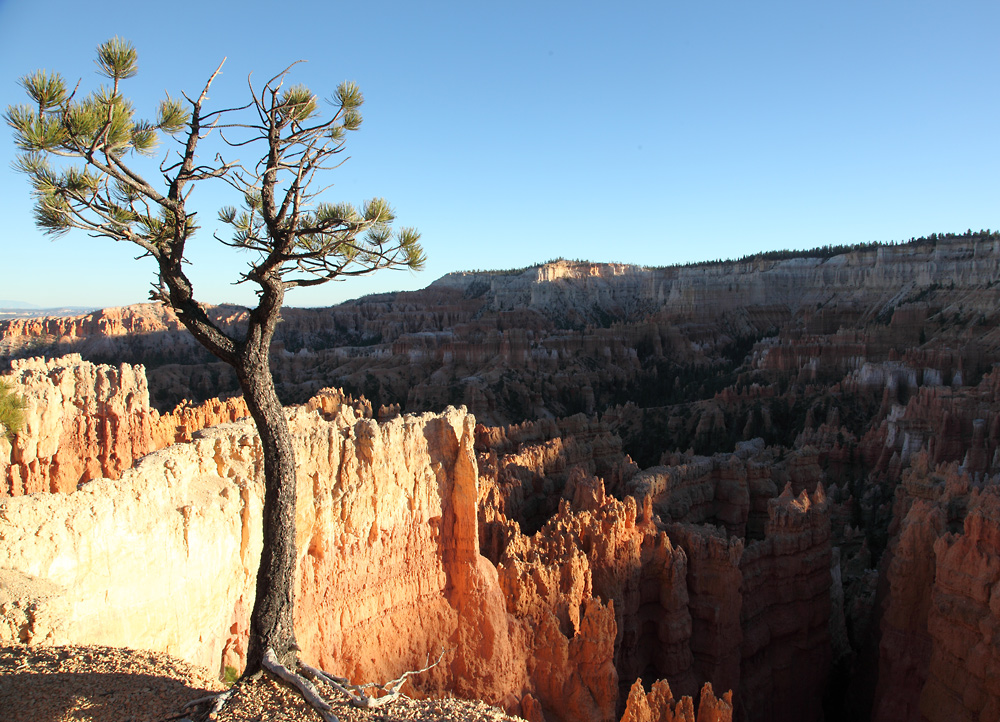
[[777, 475]]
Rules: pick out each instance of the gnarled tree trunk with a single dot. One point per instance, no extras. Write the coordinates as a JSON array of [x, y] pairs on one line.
[[271, 622]]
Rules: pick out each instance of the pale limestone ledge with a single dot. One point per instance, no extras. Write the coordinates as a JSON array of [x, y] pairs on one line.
[[883, 275], [165, 558], [150, 560]]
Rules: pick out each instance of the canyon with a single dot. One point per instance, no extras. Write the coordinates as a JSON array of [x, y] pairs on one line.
[[754, 490]]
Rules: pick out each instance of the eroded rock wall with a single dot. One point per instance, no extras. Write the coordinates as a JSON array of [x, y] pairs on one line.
[[695, 599], [390, 569], [938, 657], [869, 371], [569, 337], [785, 617], [600, 587], [84, 421], [395, 501], [81, 421], [158, 558]]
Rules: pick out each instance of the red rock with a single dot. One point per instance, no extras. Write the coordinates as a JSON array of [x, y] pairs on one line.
[[867, 384], [659, 705], [964, 618], [84, 421]]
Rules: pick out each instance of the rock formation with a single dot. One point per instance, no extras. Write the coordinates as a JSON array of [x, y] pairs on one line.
[[563, 338], [83, 421], [389, 571], [938, 653], [776, 476], [659, 705], [693, 602], [182, 528]]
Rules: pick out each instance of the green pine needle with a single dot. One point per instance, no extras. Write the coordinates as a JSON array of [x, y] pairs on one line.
[[378, 210], [352, 120], [117, 59], [348, 95], [47, 89], [227, 214], [144, 138], [52, 214], [172, 117], [298, 103]]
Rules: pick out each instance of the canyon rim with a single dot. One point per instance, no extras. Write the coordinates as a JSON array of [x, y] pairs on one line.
[[755, 490]]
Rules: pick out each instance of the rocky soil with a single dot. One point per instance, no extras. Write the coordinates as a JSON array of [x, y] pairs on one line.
[[113, 684]]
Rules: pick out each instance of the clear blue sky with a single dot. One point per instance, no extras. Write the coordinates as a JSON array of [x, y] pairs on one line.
[[511, 133]]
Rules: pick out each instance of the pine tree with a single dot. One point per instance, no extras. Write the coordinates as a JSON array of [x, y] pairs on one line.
[[85, 157], [11, 411]]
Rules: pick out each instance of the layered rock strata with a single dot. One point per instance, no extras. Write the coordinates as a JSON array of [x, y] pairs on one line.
[[938, 655], [84, 421], [566, 337], [693, 602], [389, 568], [396, 501], [869, 371]]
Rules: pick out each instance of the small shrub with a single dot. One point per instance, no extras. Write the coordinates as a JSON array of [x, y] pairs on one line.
[[11, 411]]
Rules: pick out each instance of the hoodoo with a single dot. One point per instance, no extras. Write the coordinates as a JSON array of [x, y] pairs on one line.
[[764, 490]]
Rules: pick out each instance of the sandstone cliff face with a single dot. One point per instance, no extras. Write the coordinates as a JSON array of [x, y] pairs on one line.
[[786, 651], [106, 322], [570, 337], [700, 393], [881, 273], [810, 567], [603, 590], [83, 421], [127, 562], [396, 501], [964, 618], [696, 600], [531, 463], [389, 570], [937, 655], [906, 644]]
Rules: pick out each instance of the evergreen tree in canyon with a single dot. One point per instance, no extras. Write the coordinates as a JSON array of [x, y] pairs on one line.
[[88, 156], [11, 411]]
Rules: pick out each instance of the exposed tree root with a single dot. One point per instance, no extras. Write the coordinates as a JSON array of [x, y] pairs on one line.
[[217, 701], [357, 695], [303, 685]]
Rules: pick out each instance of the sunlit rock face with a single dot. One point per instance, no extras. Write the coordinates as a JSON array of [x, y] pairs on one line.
[[390, 572], [84, 421], [390, 569], [775, 477], [81, 421], [378, 526], [695, 600]]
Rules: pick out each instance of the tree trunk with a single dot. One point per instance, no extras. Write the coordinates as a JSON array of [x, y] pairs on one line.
[[271, 622]]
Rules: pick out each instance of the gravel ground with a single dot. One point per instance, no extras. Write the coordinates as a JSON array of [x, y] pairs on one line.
[[106, 684]]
